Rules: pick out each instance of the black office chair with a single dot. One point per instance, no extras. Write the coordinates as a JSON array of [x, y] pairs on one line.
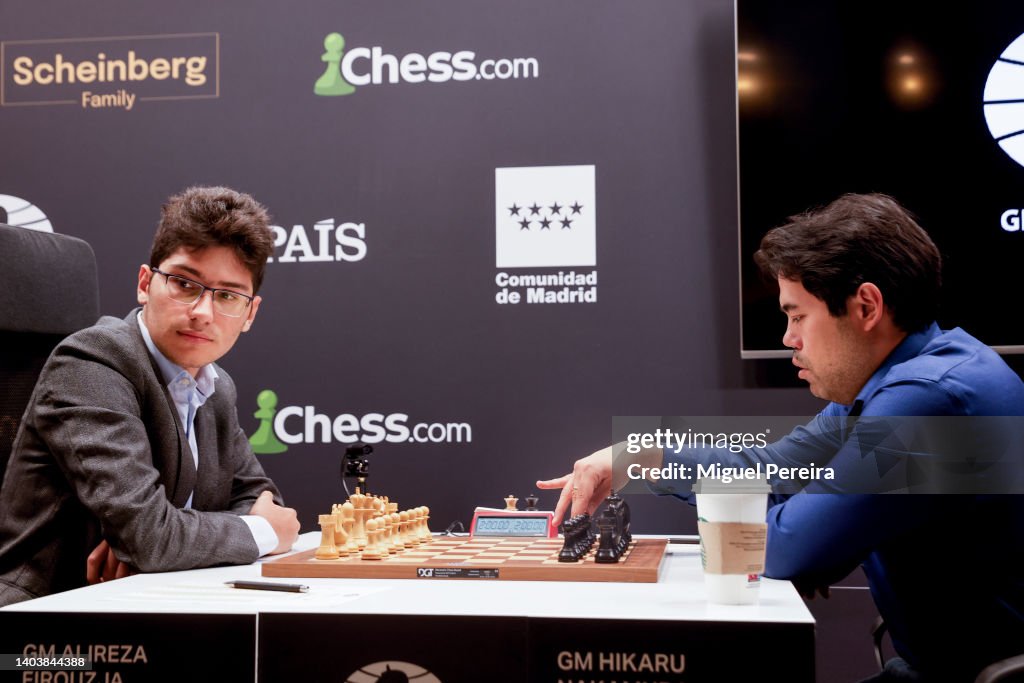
[[1010, 670], [48, 289]]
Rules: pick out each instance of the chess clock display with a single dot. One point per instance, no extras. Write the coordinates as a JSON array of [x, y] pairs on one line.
[[490, 522]]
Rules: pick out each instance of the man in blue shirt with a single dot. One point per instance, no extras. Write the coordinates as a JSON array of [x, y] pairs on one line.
[[858, 282]]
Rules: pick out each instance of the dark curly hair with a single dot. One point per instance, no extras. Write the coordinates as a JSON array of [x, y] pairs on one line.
[[202, 217], [859, 238]]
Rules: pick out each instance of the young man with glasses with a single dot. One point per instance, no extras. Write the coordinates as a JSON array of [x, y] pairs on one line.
[[130, 456]]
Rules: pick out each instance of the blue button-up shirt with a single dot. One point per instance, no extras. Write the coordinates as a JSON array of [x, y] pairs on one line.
[[958, 556]]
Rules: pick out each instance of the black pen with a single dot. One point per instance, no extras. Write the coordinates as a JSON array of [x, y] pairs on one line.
[[267, 586]]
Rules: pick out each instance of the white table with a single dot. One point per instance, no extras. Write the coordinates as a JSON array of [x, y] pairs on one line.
[[473, 630]]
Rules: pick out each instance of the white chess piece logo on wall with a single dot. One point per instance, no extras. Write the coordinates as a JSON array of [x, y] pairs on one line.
[[1004, 100], [22, 213]]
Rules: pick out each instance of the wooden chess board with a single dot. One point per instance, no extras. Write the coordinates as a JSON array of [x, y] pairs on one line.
[[512, 559]]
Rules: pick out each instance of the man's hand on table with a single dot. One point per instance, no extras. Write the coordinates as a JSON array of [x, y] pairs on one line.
[[103, 565], [283, 520]]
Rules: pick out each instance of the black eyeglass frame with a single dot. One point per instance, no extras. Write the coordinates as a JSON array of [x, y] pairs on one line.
[[203, 289]]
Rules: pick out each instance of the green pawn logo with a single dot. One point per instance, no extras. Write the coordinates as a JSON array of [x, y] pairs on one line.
[[332, 82], [265, 440]]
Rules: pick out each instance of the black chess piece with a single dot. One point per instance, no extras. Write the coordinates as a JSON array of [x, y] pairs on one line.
[[567, 529], [621, 535], [580, 540], [578, 537], [587, 537], [591, 536], [607, 552], [626, 536], [531, 503]]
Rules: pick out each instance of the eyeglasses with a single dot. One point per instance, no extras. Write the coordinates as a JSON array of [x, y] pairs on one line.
[[185, 291]]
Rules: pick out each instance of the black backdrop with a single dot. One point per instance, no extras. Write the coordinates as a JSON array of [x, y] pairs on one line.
[[406, 320], [835, 100]]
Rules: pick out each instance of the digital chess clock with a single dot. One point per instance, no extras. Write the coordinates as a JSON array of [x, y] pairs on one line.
[[489, 522]]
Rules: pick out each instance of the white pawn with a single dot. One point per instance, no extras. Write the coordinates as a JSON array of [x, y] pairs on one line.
[[414, 526], [384, 536], [417, 527], [425, 528], [406, 520], [397, 544], [359, 530], [348, 520], [340, 534], [370, 552]]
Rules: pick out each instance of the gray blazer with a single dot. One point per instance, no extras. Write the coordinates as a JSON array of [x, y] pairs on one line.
[[101, 453]]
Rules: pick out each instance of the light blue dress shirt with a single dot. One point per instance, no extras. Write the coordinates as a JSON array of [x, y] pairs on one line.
[[189, 394]]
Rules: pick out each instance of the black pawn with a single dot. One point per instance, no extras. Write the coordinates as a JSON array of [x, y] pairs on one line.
[[607, 552]]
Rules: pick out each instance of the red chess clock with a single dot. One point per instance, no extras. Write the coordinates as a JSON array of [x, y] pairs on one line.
[[490, 522]]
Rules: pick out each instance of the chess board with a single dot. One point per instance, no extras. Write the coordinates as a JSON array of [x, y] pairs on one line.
[[512, 559]]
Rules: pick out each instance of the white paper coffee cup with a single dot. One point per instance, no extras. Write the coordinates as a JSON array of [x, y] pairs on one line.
[[733, 533]]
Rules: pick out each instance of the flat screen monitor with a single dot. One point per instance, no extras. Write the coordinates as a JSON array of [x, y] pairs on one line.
[[918, 100]]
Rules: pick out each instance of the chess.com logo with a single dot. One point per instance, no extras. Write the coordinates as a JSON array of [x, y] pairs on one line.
[[282, 427], [345, 70], [545, 217], [325, 242], [392, 672], [22, 213], [1004, 100]]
